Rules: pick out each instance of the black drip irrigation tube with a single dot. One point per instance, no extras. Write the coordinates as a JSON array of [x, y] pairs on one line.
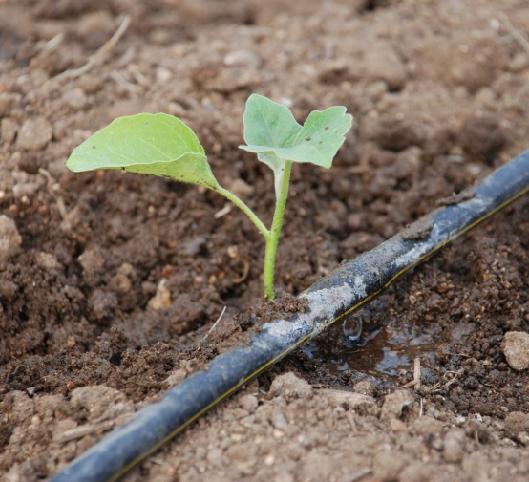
[[353, 284]]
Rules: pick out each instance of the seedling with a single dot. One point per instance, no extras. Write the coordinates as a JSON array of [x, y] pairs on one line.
[[163, 145]]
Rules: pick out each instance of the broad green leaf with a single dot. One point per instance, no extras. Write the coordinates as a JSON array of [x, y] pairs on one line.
[[158, 144], [271, 131]]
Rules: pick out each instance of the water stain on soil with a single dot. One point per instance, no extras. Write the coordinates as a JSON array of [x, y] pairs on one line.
[[360, 349]]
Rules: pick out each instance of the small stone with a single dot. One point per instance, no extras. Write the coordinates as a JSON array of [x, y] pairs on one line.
[[426, 425], [96, 399], [121, 283], [516, 422], [92, 262], [397, 425], [162, 298], [21, 406], [50, 406], [383, 63], [249, 402], [523, 438], [62, 428], [349, 400], [75, 98], [126, 269], [21, 189], [8, 289], [396, 404], [241, 58], [515, 347], [8, 130], [194, 246], [283, 477], [10, 240], [279, 420], [34, 135], [454, 445], [214, 457], [233, 252], [290, 386], [363, 387], [240, 188], [103, 303], [175, 377], [388, 464], [6, 101], [269, 460], [47, 261]]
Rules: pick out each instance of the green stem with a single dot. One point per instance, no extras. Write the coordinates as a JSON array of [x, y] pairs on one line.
[[275, 234], [246, 210]]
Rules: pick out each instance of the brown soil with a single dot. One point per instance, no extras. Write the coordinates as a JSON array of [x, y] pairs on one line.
[[118, 277]]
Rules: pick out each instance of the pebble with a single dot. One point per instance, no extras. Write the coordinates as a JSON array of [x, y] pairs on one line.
[[47, 261], [75, 98], [387, 465], [175, 377], [249, 402], [10, 240], [214, 457], [363, 387], [91, 261], [103, 303], [8, 289], [96, 399], [34, 135], [515, 347], [279, 420], [121, 283], [454, 445], [21, 189], [383, 63], [349, 400], [241, 58], [240, 188], [426, 425], [516, 422], [396, 403], [290, 386], [162, 298], [193, 246], [6, 101], [8, 130]]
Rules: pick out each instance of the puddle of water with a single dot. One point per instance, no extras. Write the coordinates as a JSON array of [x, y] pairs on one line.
[[367, 343]]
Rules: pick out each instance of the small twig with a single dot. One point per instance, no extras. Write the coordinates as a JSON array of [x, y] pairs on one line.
[[359, 475], [225, 210], [82, 431], [215, 324], [416, 382], [99, 56], [417, 373], [245, 271], [518, 36]]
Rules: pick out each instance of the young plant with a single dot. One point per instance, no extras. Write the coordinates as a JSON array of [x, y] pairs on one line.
[[163, 145]]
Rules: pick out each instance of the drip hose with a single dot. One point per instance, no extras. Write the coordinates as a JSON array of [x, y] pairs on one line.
[[330, 299]]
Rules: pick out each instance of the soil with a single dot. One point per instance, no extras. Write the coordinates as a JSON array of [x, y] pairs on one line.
[[111, 281]]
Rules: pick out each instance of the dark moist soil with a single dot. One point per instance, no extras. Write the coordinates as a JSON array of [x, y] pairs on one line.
[[114, 280]]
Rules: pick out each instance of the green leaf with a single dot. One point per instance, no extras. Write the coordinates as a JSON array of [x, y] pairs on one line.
[[271, 131], [158, 144]]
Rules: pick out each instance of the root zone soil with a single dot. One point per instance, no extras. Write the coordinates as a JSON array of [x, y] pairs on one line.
[[118, 278]]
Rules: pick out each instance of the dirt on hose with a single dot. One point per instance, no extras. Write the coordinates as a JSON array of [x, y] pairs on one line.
[[110, 283]]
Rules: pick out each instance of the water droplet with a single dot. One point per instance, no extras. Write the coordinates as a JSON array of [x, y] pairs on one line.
[[352, 328]]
